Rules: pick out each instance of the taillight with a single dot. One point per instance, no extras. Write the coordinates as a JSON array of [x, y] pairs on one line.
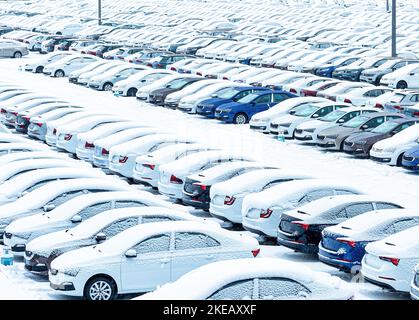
[[68, 137], [38, 124], [292, 90], [175, 180], [225, 78], [265, 214], [150, 166], [199, 73], [347, 100], [349, 242], [398, 108], [415, 114], [14, 113], [173, 68], [27, 118], [159, 65], [123, 159], [303, 225], [394, 261], [202, 186], [255, 252], [379, 106], [3, 110], [88, 145], [149, 65], [105, 152], [130, 60], [228, 201]]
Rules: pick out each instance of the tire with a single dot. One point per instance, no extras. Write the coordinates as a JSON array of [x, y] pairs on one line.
[[39, 69], [59, 74], [17, 55], [132, 92], [107, 86], [401, 85], [240, 118], [100, 288], [400, 160]]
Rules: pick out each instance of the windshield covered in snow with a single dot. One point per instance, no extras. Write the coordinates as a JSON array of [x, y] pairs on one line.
[[177, 84], [386, 127], [227, 93], [333, 116], [356, 122], [305, 110]]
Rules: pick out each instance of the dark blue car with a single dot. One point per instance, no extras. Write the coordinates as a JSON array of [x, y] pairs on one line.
[[241, 111], [234, 94], [411, 159], [327, 71]]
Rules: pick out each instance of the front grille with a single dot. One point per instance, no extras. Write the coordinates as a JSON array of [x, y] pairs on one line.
[[407, 158], [298, 131], [274, 126], [320, 137]]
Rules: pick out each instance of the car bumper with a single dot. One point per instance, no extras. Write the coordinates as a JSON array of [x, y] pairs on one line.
[[384, 157], [259, 226], [101, 162], [84, 154], [326, 143], [356, 150], [414, 292], [188, 200], [260, 126], [171, 191], [124, 169], [17, 246], [150, 178], [384, 278], [332, 259], [297, 246], [230, 213]]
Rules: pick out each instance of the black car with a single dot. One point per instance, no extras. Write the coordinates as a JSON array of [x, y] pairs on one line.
[[359, 144], [353, 72], [301, 229], [158, 96]]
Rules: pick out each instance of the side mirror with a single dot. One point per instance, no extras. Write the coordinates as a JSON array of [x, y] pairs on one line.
[[292, 112], [364, 127], [315, 116], [214, 96], [411, 74], [100, 237], [144, 80], [341, 121], [131, 253], [76, 219], [49, 207], [117, 75]]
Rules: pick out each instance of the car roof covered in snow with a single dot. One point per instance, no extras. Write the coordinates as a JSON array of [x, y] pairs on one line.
[[24, 155], [171, 151], [27, 145], [104, 129]]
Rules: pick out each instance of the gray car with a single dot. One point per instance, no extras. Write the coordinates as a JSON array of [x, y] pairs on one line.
[[12, 49], [333, 138]]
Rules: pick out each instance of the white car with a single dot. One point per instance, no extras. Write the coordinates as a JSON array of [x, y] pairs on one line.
[[95, 69], [173, 174], [287, 124], [406, 77], [74, 76], [254, 279], [47, 197], [391, 150], [26, 155], [13, 147], [38, 65], [66, 65], [261, 121], [67, 134], [105, 81], [359, 97], [71, 212], [101, 227], [122, 157], [262, 211], [145, 256], [227, 197], [147, 167], [86, 140], [391, 261], [308, 131]]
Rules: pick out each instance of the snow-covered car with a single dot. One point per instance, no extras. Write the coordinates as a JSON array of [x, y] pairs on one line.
[[173, 174], [145, 256], [94, 69], [26, 155], [38, 65], [101, 227], [261, 121], [144, 91], [343, 245], [275, 279], [391, 150], [66, 65], [49, 196], [74, 76], [359, 97], [308, 131], [147, 167], [390, 262], [288, 123], [77, 209], [414, 287], [106, 81], [262, 211], [300, 229], [12, 49], [406, 77], [13, 147]]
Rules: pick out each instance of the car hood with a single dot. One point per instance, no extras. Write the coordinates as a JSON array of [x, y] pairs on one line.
[[348, 69], [286, 119], [32, 223], [315, 124], [164, 91], [215, 101], [84, 257], [50, 241], [337, 130], [368, 136], [230, 105]]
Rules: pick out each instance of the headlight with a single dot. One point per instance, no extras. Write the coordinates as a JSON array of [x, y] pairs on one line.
[[391, 150], [72, 272], [54, 272]]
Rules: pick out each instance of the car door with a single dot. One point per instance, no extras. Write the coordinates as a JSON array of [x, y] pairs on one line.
[[192, 250], [277, 288], [237, 290], [151, 267]]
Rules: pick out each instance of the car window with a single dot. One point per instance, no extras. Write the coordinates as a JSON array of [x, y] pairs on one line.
[[324, 111], [149, 219], [350, 115], [65, 197], [343, 192], [357, 209], [399, 65], [263, 99], [375, 122], [403, 224], [119, 226], [158, 243], [189, 240], [383, 205], [281, 288], [242, 94], [314, 195], [37, 185], [127, 204], [278, 97], [414, 98], [239, 290], [94, 209]]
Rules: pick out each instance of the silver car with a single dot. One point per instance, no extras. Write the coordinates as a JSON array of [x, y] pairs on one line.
[[12, 49]]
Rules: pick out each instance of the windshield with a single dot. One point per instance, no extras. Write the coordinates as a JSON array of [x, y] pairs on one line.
[[177, 84], [387, 65], [248, 98], [227, 93], [397, 97], [305, 110], [333, 116], [386, 127], [356, 122]]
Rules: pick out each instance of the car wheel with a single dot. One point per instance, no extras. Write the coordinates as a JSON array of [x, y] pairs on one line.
[[400, 160], [107, 86], [100, 288], [342, 145], [17, 55], [240, 118], [59, 74], [401, 85], [132, 92], [39, 69]]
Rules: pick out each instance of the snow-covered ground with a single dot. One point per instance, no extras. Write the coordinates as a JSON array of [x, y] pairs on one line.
[[390, 182]]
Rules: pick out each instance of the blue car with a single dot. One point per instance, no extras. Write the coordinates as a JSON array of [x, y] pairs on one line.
[[241, 111], [411, 159], [234, 94], [327, 71]]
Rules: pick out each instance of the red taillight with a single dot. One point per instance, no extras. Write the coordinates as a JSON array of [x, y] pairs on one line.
[[130, 61], [105, 152], [379, 106], [308, 93], [199, 73], [173, 68], [68, 137], [292, 90], [38, 124], [347, 100], [265, 214], [150, 166], [149, 65], [303, 225], [398, 108], [225, 78], [54, 132], [394, 261], [3, 110], [159, 65], [415, 114], [123, 159], [175, 180], [349, 242], [255, 252], [88, 145], [202, 186], [27, 118], [14, 113], [228, 201]]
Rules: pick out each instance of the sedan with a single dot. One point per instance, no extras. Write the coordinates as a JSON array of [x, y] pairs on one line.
[[12, 49], [411, 159], [39, 64], [158, 96], [106, 81], [65, 66]]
